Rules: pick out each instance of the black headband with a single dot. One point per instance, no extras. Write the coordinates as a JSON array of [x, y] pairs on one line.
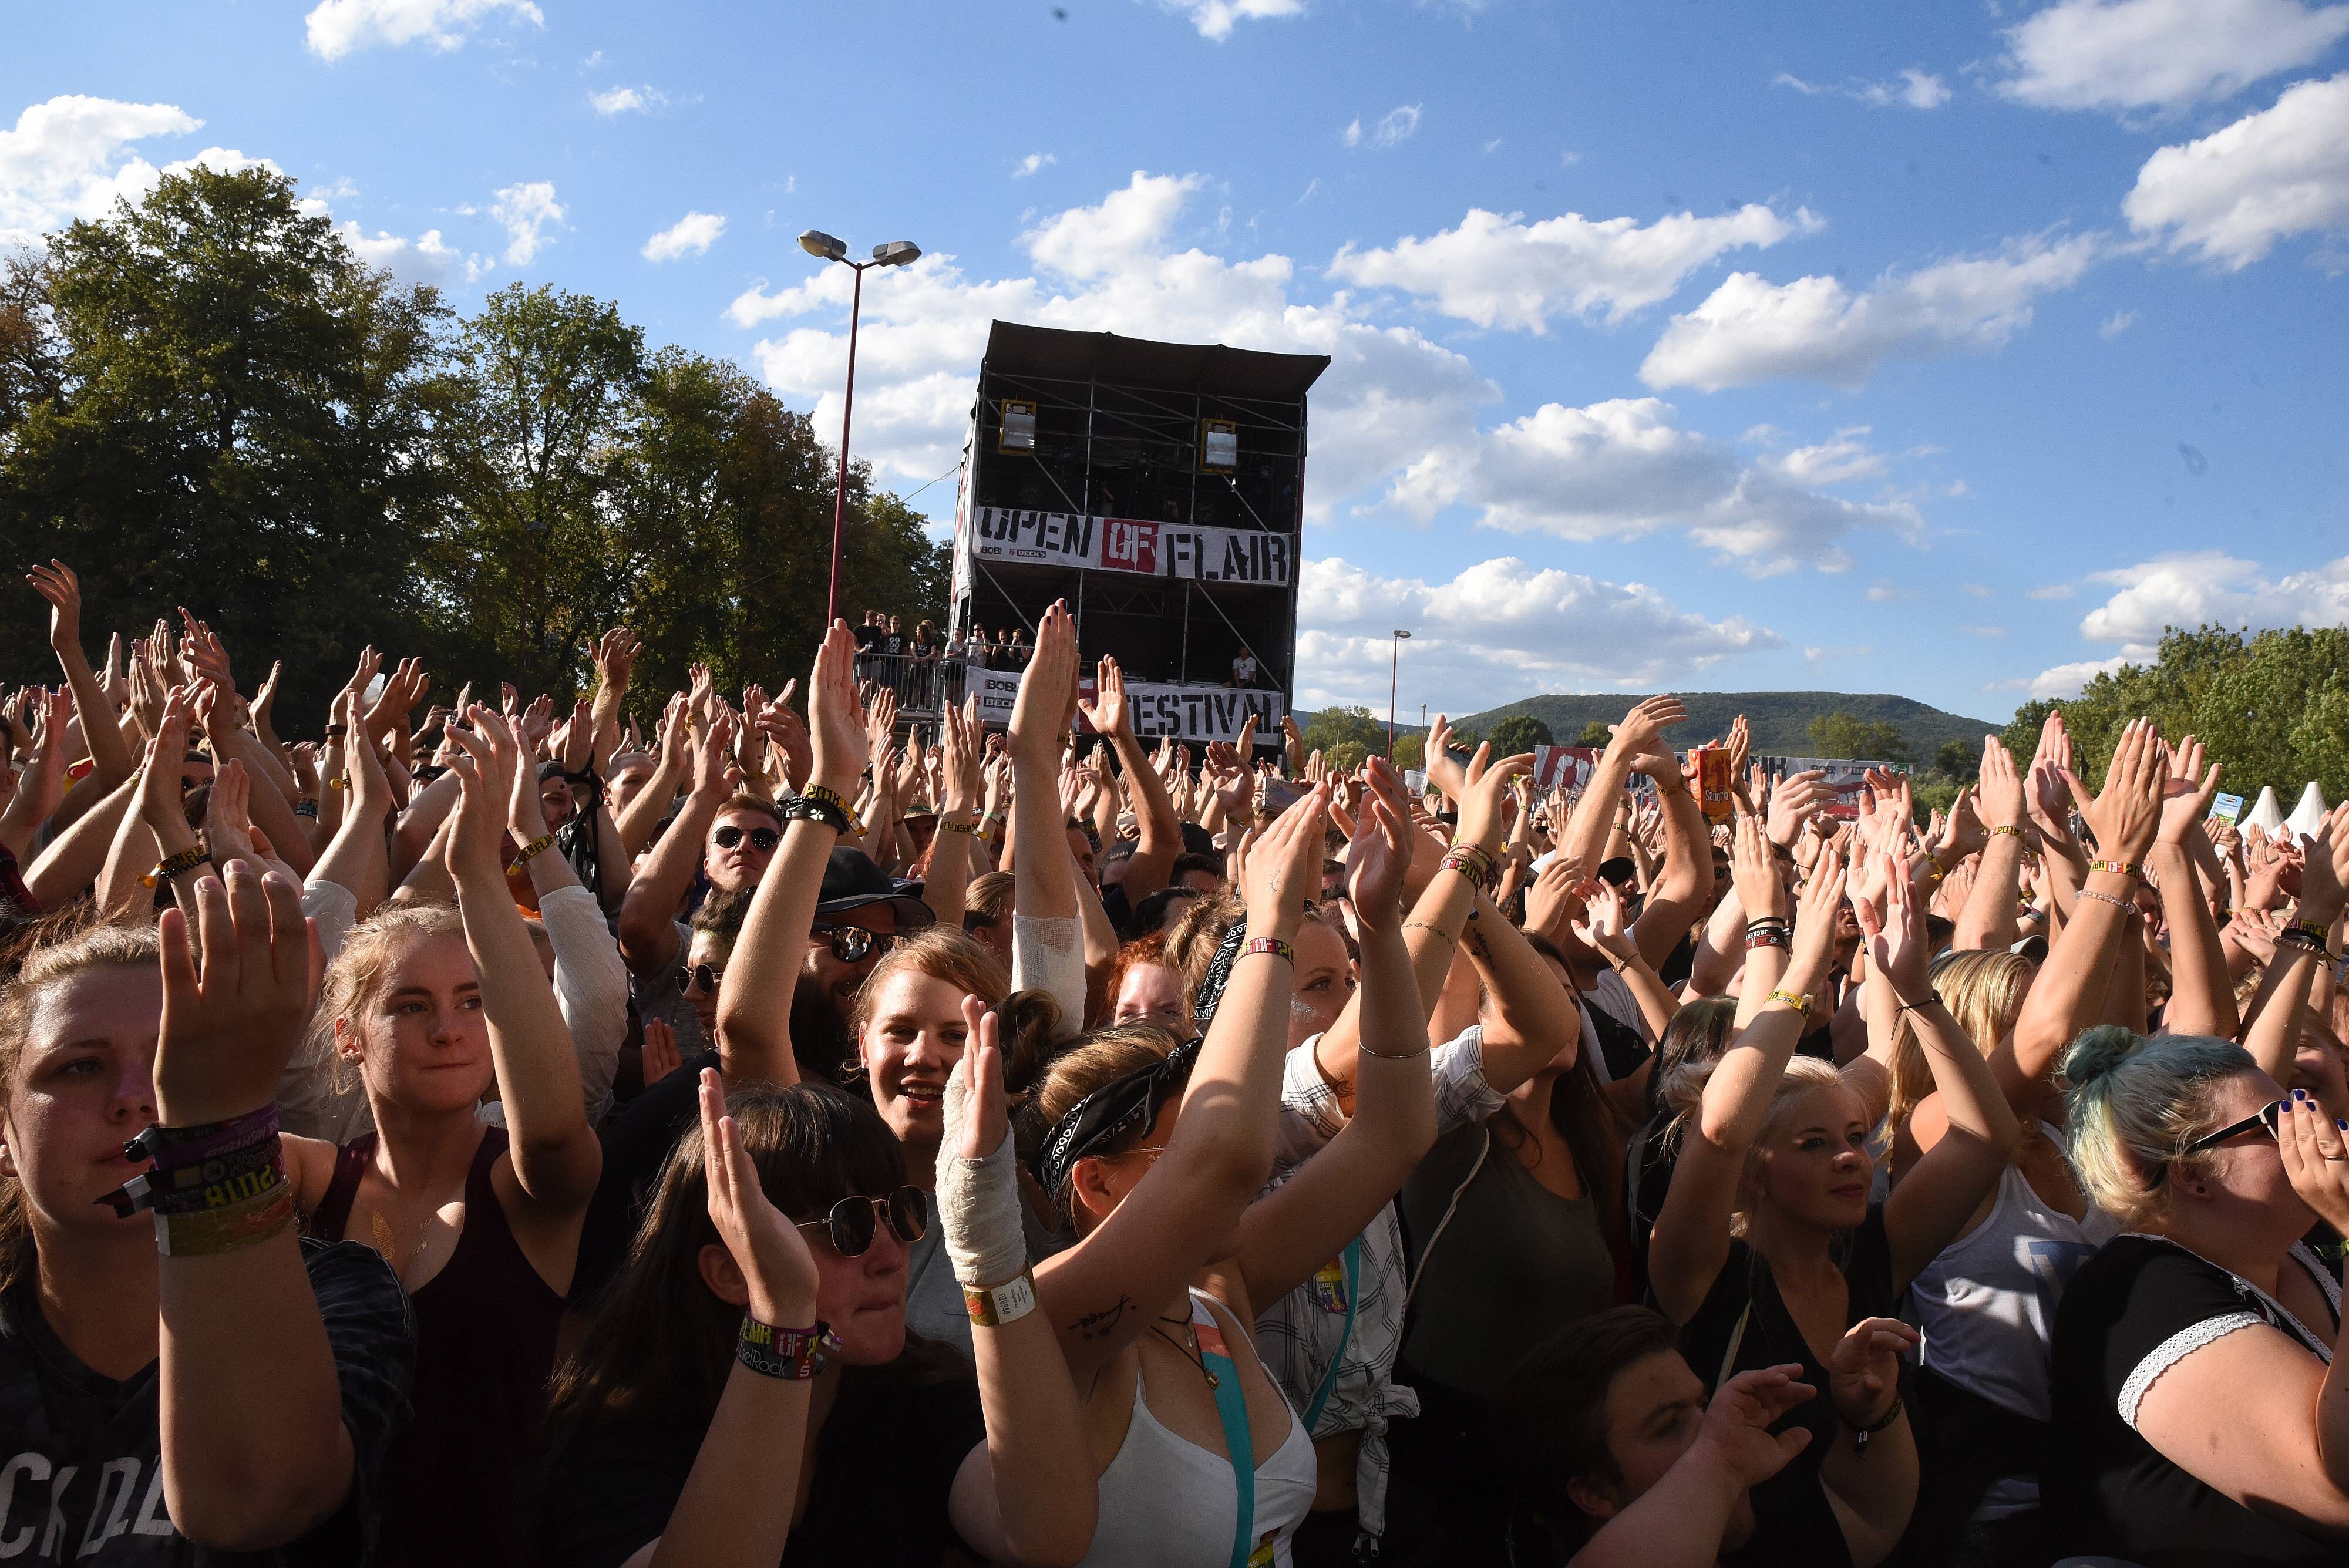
[[1218, 975], [1108, 1114]]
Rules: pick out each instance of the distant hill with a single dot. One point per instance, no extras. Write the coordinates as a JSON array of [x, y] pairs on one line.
[[1780, 719]]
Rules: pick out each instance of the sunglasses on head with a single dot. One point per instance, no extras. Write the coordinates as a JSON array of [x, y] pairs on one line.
[[699, 976], [761, 838], [852, 944], [850, 1225]]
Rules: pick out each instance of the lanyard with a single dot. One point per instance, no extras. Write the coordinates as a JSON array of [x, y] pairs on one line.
[[1232, 1406], [1350, 1263]]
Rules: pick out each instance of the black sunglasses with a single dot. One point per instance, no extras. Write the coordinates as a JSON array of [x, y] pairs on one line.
[[852, 944], [2265, 1116], [700, 974], [850, 1224], [761, 838]]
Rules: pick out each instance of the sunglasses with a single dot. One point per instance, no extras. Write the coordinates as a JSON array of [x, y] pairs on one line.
[[699, 976], [852, 1220], [852, 944], [2265, 1116], [761, 838]]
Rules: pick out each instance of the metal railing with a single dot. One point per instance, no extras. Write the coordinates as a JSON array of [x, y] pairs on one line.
[[922, 686]]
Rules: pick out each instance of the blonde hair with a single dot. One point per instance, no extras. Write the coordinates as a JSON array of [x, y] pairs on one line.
[[1095, 1062], [1984, 993], [942, 952], [1685, 1095], [363, 968], [2133, 1104], [47, 969]]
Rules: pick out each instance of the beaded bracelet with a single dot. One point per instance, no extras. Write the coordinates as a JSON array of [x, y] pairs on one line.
[[2123, 905]]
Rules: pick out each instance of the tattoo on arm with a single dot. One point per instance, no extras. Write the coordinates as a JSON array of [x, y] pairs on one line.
[[1100, 1324]]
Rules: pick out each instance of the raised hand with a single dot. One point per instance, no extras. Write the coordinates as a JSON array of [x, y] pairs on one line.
[[615, 654], [579, 738], [840, 747], [1641, 736], [485, 770], [231, 1019], [1280, 867], [1896, 944], [1048, 692], [1798, 798], [1607, 928], [1107, 711], [1443, 771], [778, 1271], [703, 688], [1736, 1431], [2126, 814], [2186, 791], [205, 653], [1480, 805], [1864, 1368], [1999, 788], [228, 818], [659, 1056], [1554, 897], [57, 583], [2050, 797], [159, 780], [1378, 858], [1753, 872]]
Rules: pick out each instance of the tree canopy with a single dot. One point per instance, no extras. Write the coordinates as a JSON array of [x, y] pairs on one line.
[[206, 399]]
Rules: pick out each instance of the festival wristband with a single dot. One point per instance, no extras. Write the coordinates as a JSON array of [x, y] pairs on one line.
[[1772, 937], [971, 828], [215, 1185], [2004, 828], [229, 1230], [170, 1147], [1861, 1434], [2299, 936], [2133, 872], [809, 808], [793, 1355], [1272, 945], [1008, 1302], [187, 859], [1801, 1005], [536, 846]]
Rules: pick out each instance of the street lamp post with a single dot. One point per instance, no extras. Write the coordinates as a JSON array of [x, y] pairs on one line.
[[1395, 670], [823, 247]]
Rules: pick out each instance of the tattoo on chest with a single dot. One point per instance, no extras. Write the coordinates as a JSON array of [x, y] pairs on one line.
[[1100, 1324]]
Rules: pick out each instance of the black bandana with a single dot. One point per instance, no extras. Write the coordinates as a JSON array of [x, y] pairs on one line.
[[1110, 1112]]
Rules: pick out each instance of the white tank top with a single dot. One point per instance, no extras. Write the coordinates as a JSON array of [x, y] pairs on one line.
[[1166, 1502], [1987, 1304]]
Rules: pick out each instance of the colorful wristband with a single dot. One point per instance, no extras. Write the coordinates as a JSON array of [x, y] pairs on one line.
[[1272, 945], [536, 846], [1005, 1303], [2134, 872], [228, 1229], [187, 859], [794, 1355]]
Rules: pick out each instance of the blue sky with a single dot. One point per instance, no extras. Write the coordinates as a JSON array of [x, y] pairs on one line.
[[1944, 351]]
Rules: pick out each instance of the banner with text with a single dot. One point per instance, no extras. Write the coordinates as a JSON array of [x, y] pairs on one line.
[[1180, 550], [1185, 712]]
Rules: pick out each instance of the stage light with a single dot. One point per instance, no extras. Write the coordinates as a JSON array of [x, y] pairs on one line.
[[1018, 431], [1219, 445]]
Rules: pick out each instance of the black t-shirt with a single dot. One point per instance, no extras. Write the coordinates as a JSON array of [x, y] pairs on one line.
[[1794, 1524], [885, 1464], [867, 635], [892, 643], [83, 1480], [637, 1142], [2107, 1491]]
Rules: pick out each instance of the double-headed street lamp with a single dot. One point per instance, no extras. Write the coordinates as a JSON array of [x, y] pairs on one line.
[[1395, 670], [823, 247]]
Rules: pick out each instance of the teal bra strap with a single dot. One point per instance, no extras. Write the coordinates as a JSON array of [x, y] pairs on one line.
[[1352, 1261], [1231, 1403]]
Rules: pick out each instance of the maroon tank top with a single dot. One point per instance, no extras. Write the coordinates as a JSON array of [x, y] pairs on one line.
[[454, 1480]]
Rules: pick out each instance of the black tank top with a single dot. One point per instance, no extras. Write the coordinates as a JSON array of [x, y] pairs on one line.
[[452, 1484]]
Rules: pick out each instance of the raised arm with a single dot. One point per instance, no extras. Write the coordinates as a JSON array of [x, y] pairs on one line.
[[556, 1157], [1641, 731], [107, 751], [754, 999], [1154, 809], [1691, 1242], [2273, 1035], [959, 740], [647, 925], [42, 786], [1304, 1222], [1681, 1521], [1182, 1212], [1988, 921], [650, 804], [2070, 989], [254, 1449], [2201, 994]]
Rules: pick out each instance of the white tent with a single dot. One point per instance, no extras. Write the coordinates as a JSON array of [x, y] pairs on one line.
[[2309, 814], [2266, 815]]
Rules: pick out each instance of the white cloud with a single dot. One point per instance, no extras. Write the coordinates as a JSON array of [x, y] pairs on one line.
[[1975, 591], [2232, 194], [1494, 145], [2050, 591], [1530, 629], [1352, 135], [1815, 329], [1397, 126], [1496, 269], [2118, 322], [71, 157], [1032, 163], [2139, 55], [428, 258], [692, 234], [620, 100], [1884, 591], [2195, 588], [1622, 468], [336, 27], [1913, 87], [2064, 681], [1215, 18], [526, 211], [1983, 631]]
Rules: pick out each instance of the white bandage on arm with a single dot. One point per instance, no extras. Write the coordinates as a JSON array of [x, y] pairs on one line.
[[1048, 955], [978, 1200]]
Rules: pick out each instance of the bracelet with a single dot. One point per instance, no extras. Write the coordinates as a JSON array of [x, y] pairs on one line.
[[168, 1148], [213, 1186], [229, 1230], [2003, 827], [1782, 852], [1861, 1434], [969, 827], [809, 808], [2123, 905], [2134, 872], [1272, 945], [1914, 1006], [535, 846], [337, 732], [1471, 863], [2316, 928], [1393, 1055], [1769, 938], [794, 1355], [828, 796], [993, 1306], [187, 859], [1801, 1005], [308, 808], [2300, 937], [1436, 930], [342, 783]]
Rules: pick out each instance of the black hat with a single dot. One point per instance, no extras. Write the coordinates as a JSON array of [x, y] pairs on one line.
[[853, 881]]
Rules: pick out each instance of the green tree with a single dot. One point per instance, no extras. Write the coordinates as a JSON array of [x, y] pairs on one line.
[[1519, 733], [205, 399], [1345, 755], [1594, 734], [1839, 735], [1410, 750], [1959, 761], [1332, 727]]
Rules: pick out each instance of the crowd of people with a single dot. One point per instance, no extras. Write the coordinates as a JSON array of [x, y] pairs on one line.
[[491, 1133]]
